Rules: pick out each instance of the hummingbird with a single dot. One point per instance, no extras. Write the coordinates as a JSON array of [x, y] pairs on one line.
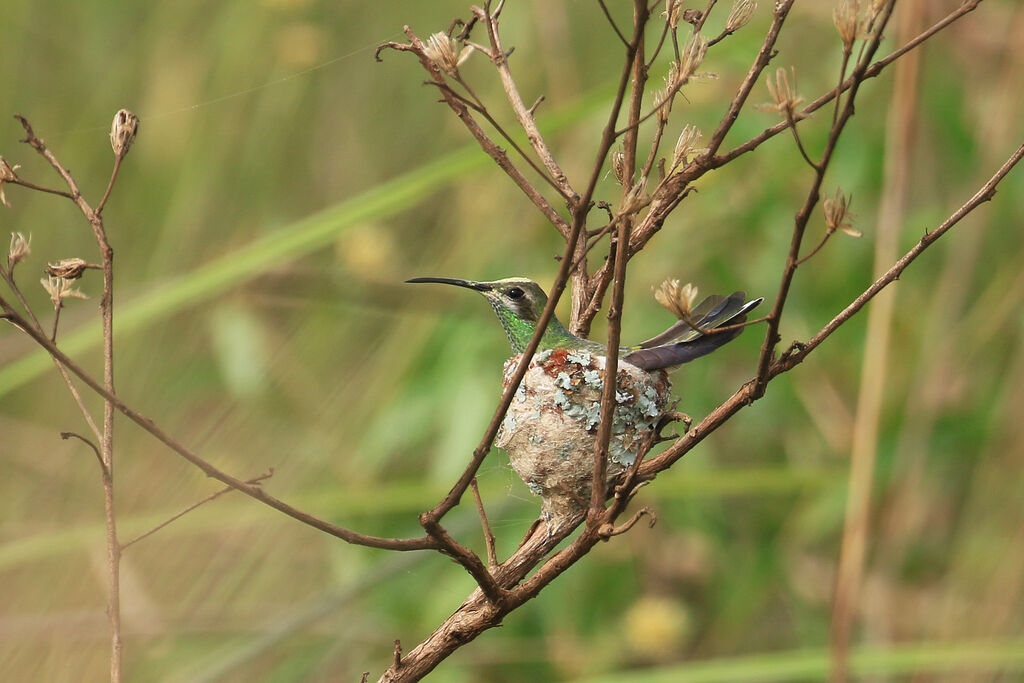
[[519, 302]]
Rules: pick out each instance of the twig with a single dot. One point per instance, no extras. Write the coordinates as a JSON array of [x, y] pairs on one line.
[[107, 435], [56, 321], [803, 259], [619, 251], [90, 444], [798, 351], [764, 55], [526, 121], [609, 530], [615, 27], [347, 535], [901, 120], [796, 136], [110, 183], [674, 188], [40, 188], [469, 560], [477, 105], [190, 508], [873, 71], [704, 16], [12, 283], [492, 555], [494, 151], [771, 337]]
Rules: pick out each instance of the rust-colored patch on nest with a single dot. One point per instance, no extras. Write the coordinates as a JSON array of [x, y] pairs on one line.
[[556, 363]]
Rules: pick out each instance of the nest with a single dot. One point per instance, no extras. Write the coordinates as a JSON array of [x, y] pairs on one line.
[[551, 427]]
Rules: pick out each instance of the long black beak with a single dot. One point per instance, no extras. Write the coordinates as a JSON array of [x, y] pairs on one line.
[[468, 284]]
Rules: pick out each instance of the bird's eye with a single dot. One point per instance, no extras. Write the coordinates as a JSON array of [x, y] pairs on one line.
[[515, 293]]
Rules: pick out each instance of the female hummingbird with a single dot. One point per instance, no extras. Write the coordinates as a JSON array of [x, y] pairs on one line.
[[519, 302]]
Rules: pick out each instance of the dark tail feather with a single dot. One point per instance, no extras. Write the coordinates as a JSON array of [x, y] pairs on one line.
[[683, 352]]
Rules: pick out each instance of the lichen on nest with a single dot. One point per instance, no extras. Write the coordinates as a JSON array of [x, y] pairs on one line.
[[551, 426]]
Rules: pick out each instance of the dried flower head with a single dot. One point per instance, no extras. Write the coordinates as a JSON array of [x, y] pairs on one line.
[[740, 14], [678, 300], [663, 100], [122, 132], [686, 145], [440, 49], [838, 215], [783, 93], [845, 16], [7, 175], [69, 268], [672, 11], [59, 289], [874, 10], [637, 197], [691, 57], [19, 250], [692, 16], [619, 165]]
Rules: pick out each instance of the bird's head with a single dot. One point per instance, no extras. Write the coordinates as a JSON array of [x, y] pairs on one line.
[[517, 301]]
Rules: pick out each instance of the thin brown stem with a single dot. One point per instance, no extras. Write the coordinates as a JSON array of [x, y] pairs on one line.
[[704, 16], [489, 541], [764, 55], [839, 85], [461, 110], [90, 444], [874, 70], [802, 217], [522, 112], [803, 259], [619, 254], [796, 136], [110, 183], [40, 188], [477, 105], [347, 535], [615, 27], [56, 322], [190, 508], [8, 277], [799, 351]]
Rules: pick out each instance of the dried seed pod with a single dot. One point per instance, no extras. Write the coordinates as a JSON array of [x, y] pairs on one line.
[[440, 49], [740, 14], [7, 175], [122, 132], [69, 268], [20, 248], [678, 300]]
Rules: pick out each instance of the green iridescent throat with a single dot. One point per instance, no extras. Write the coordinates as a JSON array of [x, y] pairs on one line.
[[520, 332]]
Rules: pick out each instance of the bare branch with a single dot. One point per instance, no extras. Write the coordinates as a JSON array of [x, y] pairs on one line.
[[347, 535], [90, 444], [526, 120], [771, 338], [492, 555], [615, 27], [874, 70], [190, 508]]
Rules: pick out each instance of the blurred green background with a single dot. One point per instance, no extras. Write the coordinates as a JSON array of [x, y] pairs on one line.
[[262, 235]]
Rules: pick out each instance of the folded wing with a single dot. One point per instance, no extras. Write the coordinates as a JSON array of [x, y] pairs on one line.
[[682, 342]]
